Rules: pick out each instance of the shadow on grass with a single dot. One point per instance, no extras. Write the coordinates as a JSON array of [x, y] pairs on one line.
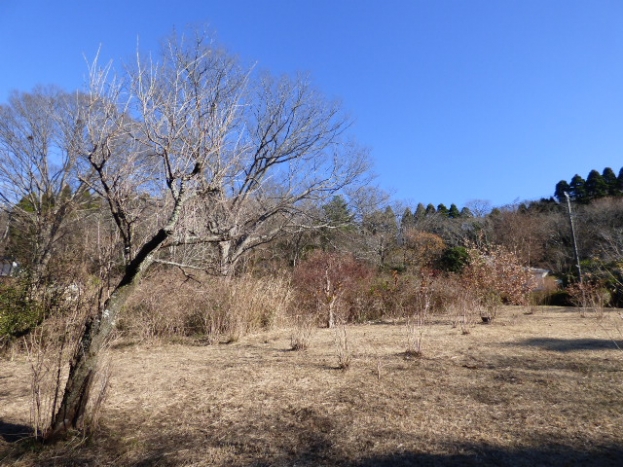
[[11, 432], [483, 455], [314, 443], [569, 345], [301, 436]]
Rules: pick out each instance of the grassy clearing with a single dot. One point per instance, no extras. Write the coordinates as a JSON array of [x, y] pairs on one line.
[[528, 389]]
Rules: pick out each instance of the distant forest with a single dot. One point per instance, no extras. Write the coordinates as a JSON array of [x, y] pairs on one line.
[[597, 185]]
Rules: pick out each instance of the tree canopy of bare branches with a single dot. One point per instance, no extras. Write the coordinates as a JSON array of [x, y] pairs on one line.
[[193, 150]]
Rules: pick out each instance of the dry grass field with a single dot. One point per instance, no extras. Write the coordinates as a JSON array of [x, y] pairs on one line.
[[528, 389]]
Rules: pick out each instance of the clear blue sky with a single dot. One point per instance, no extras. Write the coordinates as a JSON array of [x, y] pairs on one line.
[[457, 99]]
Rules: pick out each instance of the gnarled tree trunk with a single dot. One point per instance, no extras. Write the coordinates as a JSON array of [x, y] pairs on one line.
[[97, 330]]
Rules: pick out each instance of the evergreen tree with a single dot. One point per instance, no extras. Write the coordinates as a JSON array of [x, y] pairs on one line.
[[408, 219], [544, 205], [390, 219], [420, 212], [337, 219], [466, 212], [442, 209], [381, 222], [337, 212], [578, 189], [595, 186], [620, 181], [454, 259], [562, 187], [454, 212], [611, 180], [430, 209]]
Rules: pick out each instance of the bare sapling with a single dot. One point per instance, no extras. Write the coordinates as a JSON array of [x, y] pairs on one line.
[[36, 351], [49, 347], [589, 297], [416, 319], [326, 283]]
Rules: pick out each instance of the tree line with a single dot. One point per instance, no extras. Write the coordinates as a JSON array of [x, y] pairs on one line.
[[595, 186]]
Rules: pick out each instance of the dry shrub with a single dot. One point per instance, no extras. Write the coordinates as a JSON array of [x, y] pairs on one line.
[[342, 347], [421, 248], [544, 293], [495, 276], [419, 299], [404, 294], [465, 311], [415, 326], [589, 297], [302, 328], [219, 308], [49, 348]]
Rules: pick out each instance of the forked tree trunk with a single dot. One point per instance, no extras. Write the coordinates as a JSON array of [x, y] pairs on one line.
[[83, 366], [70, 414]]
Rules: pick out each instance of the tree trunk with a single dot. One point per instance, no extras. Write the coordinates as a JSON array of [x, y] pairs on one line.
[[98, 328], [331, 316], [223, 256], [228, 258]]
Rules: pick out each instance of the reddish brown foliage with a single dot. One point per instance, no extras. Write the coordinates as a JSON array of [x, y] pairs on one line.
[[328, 284]]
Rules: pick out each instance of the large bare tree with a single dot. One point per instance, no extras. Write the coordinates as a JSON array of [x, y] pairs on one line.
[[221, 158], [284, 155]]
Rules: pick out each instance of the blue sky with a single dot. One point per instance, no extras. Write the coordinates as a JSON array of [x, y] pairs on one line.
[[457, 99]]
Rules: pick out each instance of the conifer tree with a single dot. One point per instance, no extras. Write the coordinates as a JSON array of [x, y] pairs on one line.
[[578, 189], [466, 212], [454, 212], [420, 212], [408, 219], [562, 187], [442, 209], [337, 212], [611, 181], [430, 209], [337, 219], [595, 186]]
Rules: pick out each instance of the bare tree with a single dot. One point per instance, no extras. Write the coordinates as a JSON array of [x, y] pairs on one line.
[[479, 207], [38, 188], [221, 161], [151, 139], [284, 156]]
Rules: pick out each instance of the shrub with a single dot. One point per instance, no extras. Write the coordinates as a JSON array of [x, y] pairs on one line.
[[588, 296], [217, 308], [495, 276], [18, 314], [454, 259]]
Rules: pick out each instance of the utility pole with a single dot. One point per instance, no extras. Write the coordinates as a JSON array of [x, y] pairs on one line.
[[575, 242]]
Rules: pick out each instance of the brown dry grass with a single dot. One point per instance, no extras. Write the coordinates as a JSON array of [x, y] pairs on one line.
[[539, 389]]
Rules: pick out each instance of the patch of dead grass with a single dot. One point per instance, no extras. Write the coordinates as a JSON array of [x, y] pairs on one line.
[[542, 389]]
